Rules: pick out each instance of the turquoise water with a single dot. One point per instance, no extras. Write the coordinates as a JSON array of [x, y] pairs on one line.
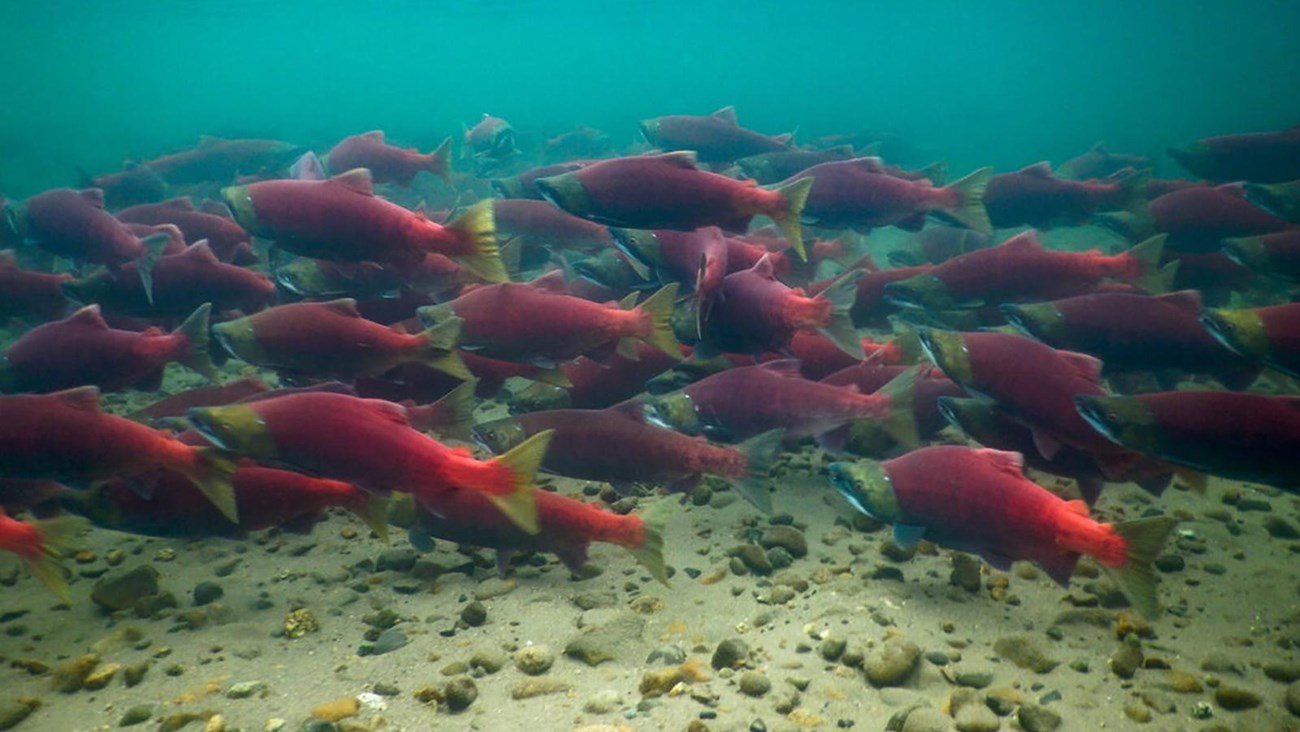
[[1004, 83]]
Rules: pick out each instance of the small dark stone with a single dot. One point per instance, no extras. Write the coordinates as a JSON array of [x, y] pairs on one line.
[[786, 537], [832, 648], [460, 692], [753, 557], [938, 658], [888, 574], [1033, 718], [1170, 563], [396, 560], [207, 592], [120, 592], [730, 653], [474, 614], [1254, 504], [965, 572], [1236, 698], [1279, 528]]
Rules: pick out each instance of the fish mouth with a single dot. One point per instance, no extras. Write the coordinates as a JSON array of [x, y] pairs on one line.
[[1019, 319], [948, 409], [1094, 411]]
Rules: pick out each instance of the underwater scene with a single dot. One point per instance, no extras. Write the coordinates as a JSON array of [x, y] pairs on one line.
[[594, 367]]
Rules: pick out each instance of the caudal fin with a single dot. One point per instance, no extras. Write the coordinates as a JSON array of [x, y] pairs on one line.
[[199, 358], [437, 352], [794, 197], [1136, 578], [901, 422], [478, 227], [650, 552], [154, 244], [56, 536], [968, 204], [519, 503], [211, 474], [761, 452], [1146, 259], [658, 308], [453, 415], [842, 294], [1135, 183], [440, 161]]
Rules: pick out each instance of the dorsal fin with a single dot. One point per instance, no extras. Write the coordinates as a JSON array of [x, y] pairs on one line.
[[1037, 170], [727, 114], [1236, 188], [89, 316], [1011, 463], [628, 302], [684, 159], [93, 196], [763, 267], [1186, 300], [395, 413], [1085, 367], [201, 251], [376, 135], [206, 140], [1100, 147], [180, 203], [787, 367], [552, 281], [1024, 240], [357, 179], [343, 306], [868, 163], [82, 397]]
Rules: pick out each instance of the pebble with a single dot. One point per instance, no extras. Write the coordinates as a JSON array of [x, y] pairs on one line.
[[730, 653], [14, 711], [1293, 698], [832, 648], [965, 572], [1003, 700], [1033, 718], [137, 714], [1137, 712], [752, 557], [120, 592], [490, 660], [474, 614], [1282, 671], [1183, 682], [534, 660], [396, 560], [976, 718], [754, 683], [71, 674], [1170, 563], [207, 592], [494, 587], [786, 537], [529, 688], [602, 643], [333, 711], [1024, 651], [974, 679], [459, 693], [892, 662], [245, 689], [1126, 660], [387, 642], [1279, 528], [100, 677], [603, 702], [925, 719], [1236, 698], [659, 681]]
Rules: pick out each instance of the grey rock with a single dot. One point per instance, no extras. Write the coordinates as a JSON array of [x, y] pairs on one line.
[[1126, 660], [753, 557], [832, 648], [490, 660], [1026, 652], [786, 537], [730, 653], [207, 592], [389, 641], [892, 662], [534, 660], [926, 719], [245, 689], [1279, 528], [1236, 698], [1293, 698], [138, 714], [1220, 663], [474, 614], [592, 600], [607, 642], [1034, 718], [459, 693], [754, 683], [974, 679], [667, 655], [976, 718], [603, 702], [396, 560], [121, 591], [965, 572]]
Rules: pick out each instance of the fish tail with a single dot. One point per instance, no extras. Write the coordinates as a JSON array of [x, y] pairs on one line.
[[901, 422], [1136, 578], [437, 349], [519, 503], [793, 198], [968, 206], [211, 473], [458, 406], [1145, 258], [55, 542], [154, 244], [1134, 184], [440, 161], [761, 452], [199, 355], [839, 329], [658, 309], [372, 509], [649, 553], [478, 227]]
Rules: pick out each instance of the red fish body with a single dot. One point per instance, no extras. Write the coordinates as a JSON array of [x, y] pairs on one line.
[[1275, 255], [767, 168], [596, 386], [369, 442], [870, 377], [1131, 332], [1199, 219], [753, 312], [858, 194], [65, 437], [1021, 269], [1033, 196], [668, 191], [341, 219], [1261, 157], [180, 283], [715, 138], [980, 501], [83, 350], [388, 163], [26, 293], [522, 322], [331, 339], [176, 405], [74, 224], [219, 161], [538, 224], [227, 238], [695, 259], [130, 187], [1100, 162]]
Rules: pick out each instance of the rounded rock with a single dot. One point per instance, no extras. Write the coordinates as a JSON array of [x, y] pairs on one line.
[[753, 683], [730, 653], [1236, 698], [534, 660], [207, 592], [459, 693]]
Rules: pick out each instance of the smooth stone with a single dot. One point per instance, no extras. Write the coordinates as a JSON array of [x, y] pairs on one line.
[[606, 642], [1236, 698], [396, 560], [1126, 660], [491, 660], [207, 592], [832, 648], [138, 714], [1293, 698], [459, 693], [754, 683], [976, 718], [603, 702], [14, 711], [786, 537], [1279, 528], [529, 688], [926, 719], [730, 653], [1026, 652], [534, 660], [245, 689], [120, 592], [1282, 671], [474, 614], [1034, 718], [389, 641], [965, 572], [974, 679], [892, 662], [753, 557]]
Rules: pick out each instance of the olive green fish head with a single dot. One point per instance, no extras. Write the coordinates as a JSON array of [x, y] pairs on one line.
[[305, 277], [639, 244], [650, 128], [1248, 251], [237, 428], [510, 187], [500, 435], [866, 486], [947, 349], [1240, 330], [1042, 321], [240, 201], [921, 291], [239, 339], [567, 192], [674, 411], [1126, 421], [537, 397]]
